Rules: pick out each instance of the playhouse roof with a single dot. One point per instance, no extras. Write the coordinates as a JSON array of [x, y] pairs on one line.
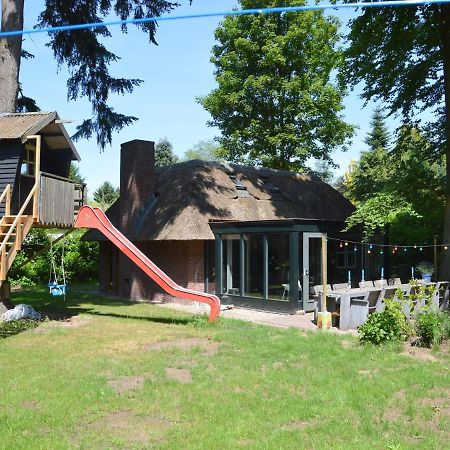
[[191, 195], [47, 124]]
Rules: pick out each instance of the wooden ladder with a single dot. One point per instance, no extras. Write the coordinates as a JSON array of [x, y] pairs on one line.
[[13, 231]]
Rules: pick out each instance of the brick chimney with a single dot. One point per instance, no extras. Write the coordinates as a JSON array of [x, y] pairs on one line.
[[137, 182]]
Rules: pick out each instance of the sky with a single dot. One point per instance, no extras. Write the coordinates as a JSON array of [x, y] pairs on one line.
[[175, 73]]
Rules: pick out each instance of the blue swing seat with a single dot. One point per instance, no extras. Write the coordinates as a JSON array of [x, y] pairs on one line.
[[57, 289]]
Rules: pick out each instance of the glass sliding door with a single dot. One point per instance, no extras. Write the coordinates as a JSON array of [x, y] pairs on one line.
[[253, 265], [231, 275], [312, 267], [278, 266]]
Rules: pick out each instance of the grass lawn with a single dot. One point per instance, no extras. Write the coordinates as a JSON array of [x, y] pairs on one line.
[[122, 375]]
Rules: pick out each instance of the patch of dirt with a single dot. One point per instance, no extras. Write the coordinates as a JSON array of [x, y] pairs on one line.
[[246, 442], [126, 384], [298, 425], [420, 353], [393, 415], [369, 373], [180, 375], [31, 404], [132, 428], [66, 322], [400, 395], [208, 347]]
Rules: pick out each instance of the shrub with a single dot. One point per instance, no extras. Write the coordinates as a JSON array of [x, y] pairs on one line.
[[432, 328], [389, 325], [16, 326]]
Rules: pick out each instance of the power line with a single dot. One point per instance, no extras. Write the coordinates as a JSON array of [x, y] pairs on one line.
[[239, 12]]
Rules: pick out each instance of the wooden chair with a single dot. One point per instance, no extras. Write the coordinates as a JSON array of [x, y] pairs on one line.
[[380, 283], [386, 293], [374, 300], [439, 294], [340, 286], [353, 309]]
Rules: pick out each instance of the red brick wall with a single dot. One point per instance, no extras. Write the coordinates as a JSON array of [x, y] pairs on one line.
[[137, 181], [183, 261]]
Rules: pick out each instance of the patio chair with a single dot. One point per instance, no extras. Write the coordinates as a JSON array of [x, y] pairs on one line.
[[380, 283], [374, 300], [319, 287], [365, 284], [340, 287], [394, 282], [439, 294], [386, 293], [286, 287], [353, 309]]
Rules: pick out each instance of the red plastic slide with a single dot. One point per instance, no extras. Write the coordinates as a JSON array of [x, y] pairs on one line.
[[95, 218]]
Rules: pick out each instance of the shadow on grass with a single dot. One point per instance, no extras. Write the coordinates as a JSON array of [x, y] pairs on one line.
[[165, 320], [82, 302]]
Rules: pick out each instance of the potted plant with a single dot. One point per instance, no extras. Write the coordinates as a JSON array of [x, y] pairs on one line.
[[426, 269]]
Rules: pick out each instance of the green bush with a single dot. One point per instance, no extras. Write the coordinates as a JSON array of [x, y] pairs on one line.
[[16, 326], [432, 328], [387, 326], [80, 259]]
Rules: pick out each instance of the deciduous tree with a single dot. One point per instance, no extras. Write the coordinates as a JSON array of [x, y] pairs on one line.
[[276, 103], [403, 57]]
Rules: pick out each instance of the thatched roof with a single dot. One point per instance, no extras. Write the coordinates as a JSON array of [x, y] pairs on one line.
[[193, 193]]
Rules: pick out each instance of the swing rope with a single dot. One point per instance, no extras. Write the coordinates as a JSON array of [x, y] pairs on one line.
[[54, 286]]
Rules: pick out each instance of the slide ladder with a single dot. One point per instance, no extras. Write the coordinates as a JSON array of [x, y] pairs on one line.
[[95, 218]]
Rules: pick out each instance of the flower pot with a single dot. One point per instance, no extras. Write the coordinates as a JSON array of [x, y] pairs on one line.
[[426, 277]]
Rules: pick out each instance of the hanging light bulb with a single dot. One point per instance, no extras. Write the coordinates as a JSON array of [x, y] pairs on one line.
[[355, 249], [421, 249], [370, 246], [346, 244], [341, 244], [369, 251], [405, 249], [415, 246], [445, 247], [395, 248]]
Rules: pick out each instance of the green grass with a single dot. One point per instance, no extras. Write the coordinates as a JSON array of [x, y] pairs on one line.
[[104, 384]]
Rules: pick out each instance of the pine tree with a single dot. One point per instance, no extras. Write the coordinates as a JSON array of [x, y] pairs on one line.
[[164, 155], [379, 136]]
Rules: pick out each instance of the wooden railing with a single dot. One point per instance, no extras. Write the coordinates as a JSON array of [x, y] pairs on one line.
[[59, 200], [6, 195], [7, 258]]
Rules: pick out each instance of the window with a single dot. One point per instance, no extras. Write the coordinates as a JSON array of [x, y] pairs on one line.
[[346, 256], [29, 160], [254, 264], [240, 187]]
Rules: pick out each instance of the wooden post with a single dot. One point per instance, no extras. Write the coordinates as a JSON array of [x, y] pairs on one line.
[[3, 265], [324, 274], [18, 243], [323, 316], [37, 176], [8, 201]]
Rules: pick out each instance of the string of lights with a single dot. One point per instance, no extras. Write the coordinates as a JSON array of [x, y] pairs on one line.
[[371, 247], [236, 12]]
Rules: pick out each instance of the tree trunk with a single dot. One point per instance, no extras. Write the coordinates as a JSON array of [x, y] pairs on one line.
[[10, 52], [444, 273]]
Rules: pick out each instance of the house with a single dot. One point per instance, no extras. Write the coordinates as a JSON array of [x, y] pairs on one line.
[[35, 157], [250, 235]]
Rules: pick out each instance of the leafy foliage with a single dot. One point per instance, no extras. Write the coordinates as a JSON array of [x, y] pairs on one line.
[[397, 188], [80, 259], [378, 212], [88, 60], [8, 329], [205, 150], [164, 155], [432, 328], [105, 195], [275, 103], [387, 326]]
